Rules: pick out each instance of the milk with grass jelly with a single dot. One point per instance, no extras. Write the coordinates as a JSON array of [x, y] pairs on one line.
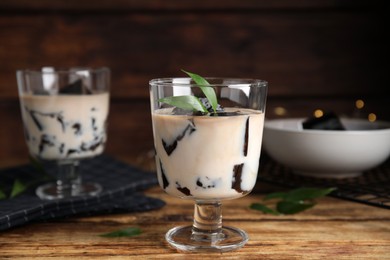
[[210, 156], [68, 126]]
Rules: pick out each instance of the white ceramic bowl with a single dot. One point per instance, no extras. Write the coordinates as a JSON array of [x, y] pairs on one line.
[[328, 153]]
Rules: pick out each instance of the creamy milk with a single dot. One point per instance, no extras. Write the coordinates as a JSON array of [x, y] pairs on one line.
[[65, 126], [207, 157]]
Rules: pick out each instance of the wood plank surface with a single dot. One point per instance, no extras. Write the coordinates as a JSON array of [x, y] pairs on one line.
[[334, 229]]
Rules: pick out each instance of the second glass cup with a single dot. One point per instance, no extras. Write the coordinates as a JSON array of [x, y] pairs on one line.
[[64, 114], [207, 156]]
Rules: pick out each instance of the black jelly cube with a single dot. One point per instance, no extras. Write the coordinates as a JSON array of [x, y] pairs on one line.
[[76, 87], [329, 121]]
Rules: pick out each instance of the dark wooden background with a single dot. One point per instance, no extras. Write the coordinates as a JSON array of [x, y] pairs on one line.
[[322, 54]]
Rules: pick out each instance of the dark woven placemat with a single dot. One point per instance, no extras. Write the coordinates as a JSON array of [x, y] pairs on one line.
[[372, 187], [121, 183]]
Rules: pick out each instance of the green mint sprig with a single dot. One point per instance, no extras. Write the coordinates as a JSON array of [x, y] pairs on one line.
[[192, 103], [127, 232], [293, 201]]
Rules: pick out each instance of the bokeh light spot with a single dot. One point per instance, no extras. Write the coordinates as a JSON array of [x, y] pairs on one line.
[[359, 104], [371, 117], [318, 113], [280, 111]]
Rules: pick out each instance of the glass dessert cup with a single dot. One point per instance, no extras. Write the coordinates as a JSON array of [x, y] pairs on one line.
[[209, 156], [64, 113]]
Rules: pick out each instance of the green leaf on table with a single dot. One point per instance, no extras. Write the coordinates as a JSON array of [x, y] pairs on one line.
[[2, 195], [204, 85], [307, 194], [127, 232], [293, 201], [191, 103], [275, 195], [300, 194], [292, 207], [17, 188], [263, 208], [23, 183]]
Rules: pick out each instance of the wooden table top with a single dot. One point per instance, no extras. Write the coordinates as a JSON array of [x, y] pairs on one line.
[[333, 229]]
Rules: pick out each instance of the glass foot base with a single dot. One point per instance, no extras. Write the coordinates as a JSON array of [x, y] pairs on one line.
[[184, 239], [50, 191]]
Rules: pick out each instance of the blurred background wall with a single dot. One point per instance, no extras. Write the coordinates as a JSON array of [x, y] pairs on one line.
[[317, 55]]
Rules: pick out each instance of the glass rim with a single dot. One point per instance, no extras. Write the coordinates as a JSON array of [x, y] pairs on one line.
[[63, 70], [214, 82]]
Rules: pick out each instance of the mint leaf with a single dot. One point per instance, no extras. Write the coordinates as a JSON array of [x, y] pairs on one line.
[[185, 102], [17, 188], [307, 194], [2, 195], [300, 194], [293, 201], [193, 103], [292, 207], [21, 184], [127, 232], [263, 208], [204, 85], [275, 195]]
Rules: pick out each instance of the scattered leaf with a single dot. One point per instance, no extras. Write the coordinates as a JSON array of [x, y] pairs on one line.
[[127, 232], [263, 208], [2, 195], [17, 188], [275, 195], [23, 183], [293, 201], [292, 207], [307, 194]]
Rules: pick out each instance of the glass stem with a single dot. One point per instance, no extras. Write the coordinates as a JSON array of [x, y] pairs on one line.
[[207, 224], [68, 179]]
